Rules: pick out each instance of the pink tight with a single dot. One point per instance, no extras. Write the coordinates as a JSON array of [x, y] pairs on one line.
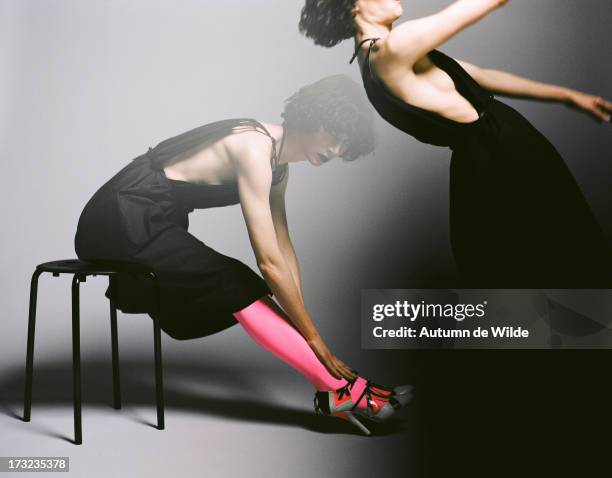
[[267, 325]]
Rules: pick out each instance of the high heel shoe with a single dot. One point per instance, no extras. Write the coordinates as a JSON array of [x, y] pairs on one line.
[[338, 403]]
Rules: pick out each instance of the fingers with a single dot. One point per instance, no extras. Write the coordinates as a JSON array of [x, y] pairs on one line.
[[335, 373], [604, 104], [332, 367], [600, 115], [591, 106], [345, 371], [336, 367], [335, 370], [347, 375], [340, 373], [597, 108], [342, 367], [603, 109]]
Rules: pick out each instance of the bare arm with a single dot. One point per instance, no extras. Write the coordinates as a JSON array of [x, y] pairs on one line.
[[254, 184], [411, 40], [508, 84], [279, 218], [254, 179]]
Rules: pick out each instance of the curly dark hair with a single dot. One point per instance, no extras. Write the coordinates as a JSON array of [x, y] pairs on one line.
[[328, 22], [339, 105]]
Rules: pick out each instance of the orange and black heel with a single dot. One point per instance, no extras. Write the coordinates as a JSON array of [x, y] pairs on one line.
[[338, 403]]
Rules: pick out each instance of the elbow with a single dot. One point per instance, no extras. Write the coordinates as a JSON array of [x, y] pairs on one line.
[[269, 267]]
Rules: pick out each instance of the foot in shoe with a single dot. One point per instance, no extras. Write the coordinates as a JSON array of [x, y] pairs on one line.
[[364, 398], [376, 402]]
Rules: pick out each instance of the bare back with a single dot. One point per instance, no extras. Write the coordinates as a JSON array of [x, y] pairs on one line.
[[423, 84], [214, 163]]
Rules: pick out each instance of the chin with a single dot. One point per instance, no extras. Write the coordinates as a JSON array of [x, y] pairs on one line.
[[394, 15], [398, 10]]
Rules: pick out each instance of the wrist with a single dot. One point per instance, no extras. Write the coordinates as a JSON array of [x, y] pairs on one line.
[[567, 95]]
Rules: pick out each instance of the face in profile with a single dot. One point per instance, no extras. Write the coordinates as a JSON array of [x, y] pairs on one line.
[[328, 22], [327, 119], [320, 147]]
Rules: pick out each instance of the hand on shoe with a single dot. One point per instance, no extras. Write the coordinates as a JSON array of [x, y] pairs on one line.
[[333, 364]]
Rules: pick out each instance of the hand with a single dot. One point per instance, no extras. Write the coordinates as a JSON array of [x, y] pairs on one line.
[[598, 108], [333, 364]]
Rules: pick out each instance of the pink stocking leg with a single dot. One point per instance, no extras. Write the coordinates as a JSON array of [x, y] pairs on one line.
[[265, 322]]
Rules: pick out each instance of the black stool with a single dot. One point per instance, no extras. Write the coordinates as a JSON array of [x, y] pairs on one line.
[[80, 270]]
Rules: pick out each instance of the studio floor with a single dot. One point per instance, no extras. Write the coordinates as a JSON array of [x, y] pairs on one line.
[[222, 420]]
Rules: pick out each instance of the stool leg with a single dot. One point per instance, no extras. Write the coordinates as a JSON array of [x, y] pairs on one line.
[[27, 405], [76, 359], [159, 387], [115, 348]]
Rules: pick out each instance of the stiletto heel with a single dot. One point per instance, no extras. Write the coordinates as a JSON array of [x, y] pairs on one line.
[[352, 419], [348, 416]]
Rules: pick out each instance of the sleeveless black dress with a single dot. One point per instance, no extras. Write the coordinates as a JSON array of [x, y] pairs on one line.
[[140, 215], [517, 216]]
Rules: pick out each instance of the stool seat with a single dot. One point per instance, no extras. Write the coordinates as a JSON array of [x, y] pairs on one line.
[[74, 266]]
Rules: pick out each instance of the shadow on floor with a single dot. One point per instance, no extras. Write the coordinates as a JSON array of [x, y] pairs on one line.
[[221, 391]]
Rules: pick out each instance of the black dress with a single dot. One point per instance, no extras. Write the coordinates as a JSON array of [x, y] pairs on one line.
[[140, 215], [517, 216]]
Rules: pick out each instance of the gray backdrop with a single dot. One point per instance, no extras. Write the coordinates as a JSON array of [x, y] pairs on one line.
[[88, 85]]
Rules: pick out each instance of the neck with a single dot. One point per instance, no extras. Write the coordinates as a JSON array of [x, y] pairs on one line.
[[370, 29], [283, 146]]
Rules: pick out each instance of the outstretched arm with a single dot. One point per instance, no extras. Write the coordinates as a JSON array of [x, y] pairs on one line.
[[254, 183], [508, 84], [279, 217], [411, 40]]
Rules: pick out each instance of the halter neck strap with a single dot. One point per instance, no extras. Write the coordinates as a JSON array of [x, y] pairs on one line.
[[275, 151], [371, 40]]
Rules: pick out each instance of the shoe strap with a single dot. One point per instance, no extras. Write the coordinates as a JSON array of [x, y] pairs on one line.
[[368, 393], [389, 390], [346, 389]]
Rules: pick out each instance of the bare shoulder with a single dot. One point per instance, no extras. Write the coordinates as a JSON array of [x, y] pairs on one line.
[[397, 37], [402, 41], [249, 150], [398, 48]]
